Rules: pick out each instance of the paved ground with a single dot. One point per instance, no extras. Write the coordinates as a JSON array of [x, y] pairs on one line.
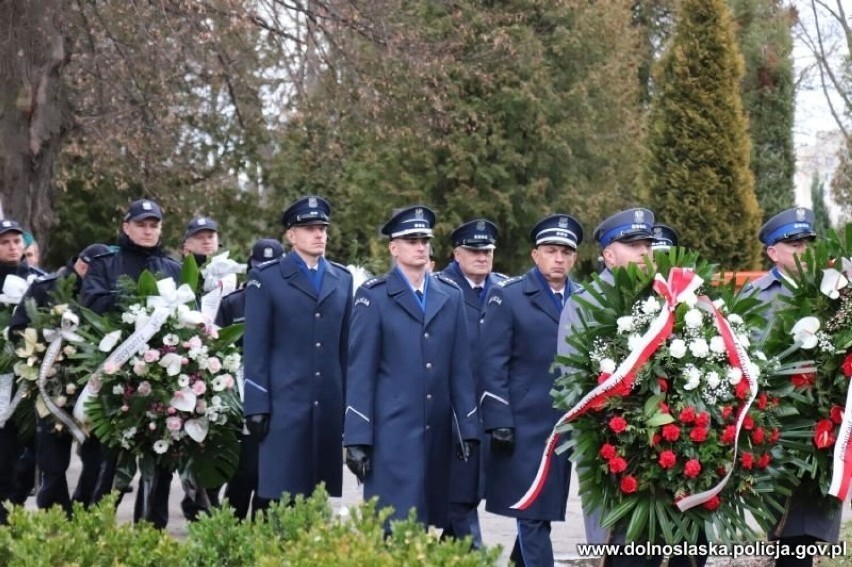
[[496, 530]]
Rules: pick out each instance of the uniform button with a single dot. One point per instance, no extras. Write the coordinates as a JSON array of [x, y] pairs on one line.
[[428, 427], [317, 315], [317, 373], [428, 396], [426, 335], [316, 404], [428, 365], [318, 345]]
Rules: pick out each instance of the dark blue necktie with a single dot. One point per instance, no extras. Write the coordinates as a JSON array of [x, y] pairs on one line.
[[419, 295], [478, 290], [559, 298]]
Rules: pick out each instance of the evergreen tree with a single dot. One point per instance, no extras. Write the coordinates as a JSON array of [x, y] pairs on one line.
[[698, 177], [841, 181], [509, 110], [768, 89], [822, 222]]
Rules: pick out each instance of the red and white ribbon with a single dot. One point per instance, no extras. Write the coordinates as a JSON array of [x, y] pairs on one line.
[[681, 284], [737, 358], [841, 473]]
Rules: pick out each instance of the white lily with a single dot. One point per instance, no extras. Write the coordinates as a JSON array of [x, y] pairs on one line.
[[804, 332], [832, 282]]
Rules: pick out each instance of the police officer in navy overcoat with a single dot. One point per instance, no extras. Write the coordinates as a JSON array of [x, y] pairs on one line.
[[295, 347], [471, 269], [241, 490], [808, 515], [516, 351], [409, 378]]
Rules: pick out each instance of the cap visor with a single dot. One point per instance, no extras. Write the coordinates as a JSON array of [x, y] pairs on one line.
[[478, 246], [634, 237], [558, 242]]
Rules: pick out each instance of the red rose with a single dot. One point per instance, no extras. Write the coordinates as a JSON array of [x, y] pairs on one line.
[[836, 414], [692, 468], [729, 434], [655, 440], [761, 401], [664, 407], [663, 384], [758, 435], [803, 380], [727, 411], [764, 460], [748, 423], [628, 484], [618, 424], [846, 367], [698, 434], [824, 434], [617, 464], [667, 459], [702, 419], [747, 460], [607, 451], [713, 503], [687, 415], [671, 432], [775, 435], [742, 389]]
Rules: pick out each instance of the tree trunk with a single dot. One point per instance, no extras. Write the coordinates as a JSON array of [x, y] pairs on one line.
[[34, 111]]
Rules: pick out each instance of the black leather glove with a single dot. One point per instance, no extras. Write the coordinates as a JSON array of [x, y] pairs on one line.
[[464, 448], [358, 460], [258, 425], [503, 439]]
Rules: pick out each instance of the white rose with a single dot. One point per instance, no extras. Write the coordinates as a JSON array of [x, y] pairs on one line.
[[717, 345], [625, 324], [677, 348], [699, 348], [693, 319]]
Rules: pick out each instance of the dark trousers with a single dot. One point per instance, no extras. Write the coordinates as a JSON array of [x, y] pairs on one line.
[[463, 519], [10, 451], [53, 456], [25, 473], [152, 499], [241, 491], [91, 457], [533, 547]]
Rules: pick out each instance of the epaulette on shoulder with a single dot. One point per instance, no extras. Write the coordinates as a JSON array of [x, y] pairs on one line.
[[510, 281], [373, 282], [339, 266], [264, 265], [441, 277], [500, 277]]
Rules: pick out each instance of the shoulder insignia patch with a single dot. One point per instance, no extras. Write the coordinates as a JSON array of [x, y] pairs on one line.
[[510, 281], [361, 301], [253, 283], [372, 282]]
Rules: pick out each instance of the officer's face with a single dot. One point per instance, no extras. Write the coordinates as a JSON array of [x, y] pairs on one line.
[[620, 254], [144, 232], [33, 255], [554, 261], [410, 252], [784, 254], [204, 242], [11, 247], [308, 240], [81, 267], [474, 263]]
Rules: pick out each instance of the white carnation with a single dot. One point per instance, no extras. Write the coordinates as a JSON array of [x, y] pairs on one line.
[[689, 298], [735, 319], [651, 306], [717, 345], [713, 379], [607, 366], [743, 339], [753, 369], [692, 384], [691, 373], [699, 348], [625, 324], [734, 376], [693, 319], [677, 348]]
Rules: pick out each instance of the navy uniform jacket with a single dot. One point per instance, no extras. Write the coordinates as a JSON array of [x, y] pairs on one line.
[[295, 351], [467, 478], [100, 288], [40, 291], [807, 513], [232, 310], [409, 378], [521, 320]]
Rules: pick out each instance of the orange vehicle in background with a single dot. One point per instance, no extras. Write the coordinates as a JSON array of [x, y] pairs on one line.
[[740, 278]]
